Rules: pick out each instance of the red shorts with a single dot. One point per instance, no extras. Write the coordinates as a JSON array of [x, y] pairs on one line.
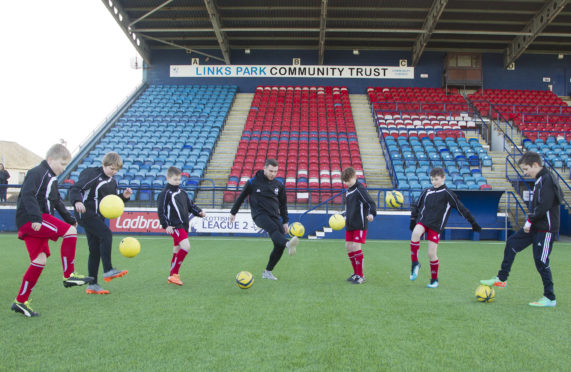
[[37, 241], [357, 236], [178, 235], [431, 235]]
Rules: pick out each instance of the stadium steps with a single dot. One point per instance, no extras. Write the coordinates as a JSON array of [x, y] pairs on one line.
[[496, 176], [374, 163], [225, 151], [320, 234]]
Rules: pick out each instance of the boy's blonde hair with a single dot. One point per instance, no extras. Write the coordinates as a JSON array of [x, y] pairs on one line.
[[173, 171], [347, 174], [112, 159], [58, 152]]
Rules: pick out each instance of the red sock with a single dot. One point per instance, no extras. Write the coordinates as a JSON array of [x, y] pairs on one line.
[[68, 254], [434, 269], [179, 258], [358, 262], [351, 254], [173, 260], [414, 246], [29, 281]]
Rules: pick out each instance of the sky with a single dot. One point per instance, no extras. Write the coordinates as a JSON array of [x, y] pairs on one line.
[[65, 67]]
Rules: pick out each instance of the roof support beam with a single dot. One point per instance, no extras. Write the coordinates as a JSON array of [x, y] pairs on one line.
[[120, 16], [322, 22], [189, 50], [428, 27], [217, 25], [534, 28], [150, 12]]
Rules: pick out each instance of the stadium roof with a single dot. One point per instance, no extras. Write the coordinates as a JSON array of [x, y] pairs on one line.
[[216, 27]]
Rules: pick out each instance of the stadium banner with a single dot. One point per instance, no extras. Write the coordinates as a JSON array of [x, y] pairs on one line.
[[148, 222], [279, 71]]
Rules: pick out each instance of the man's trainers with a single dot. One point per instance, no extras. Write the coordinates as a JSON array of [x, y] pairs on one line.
[[414, 270], [76, 279], [496, 282], [433, 283], [96, 289], [114, 273], [357, 279], [24, 308], [268, 275], [293, 242], [351, 278], [543, 302], [175, 279]]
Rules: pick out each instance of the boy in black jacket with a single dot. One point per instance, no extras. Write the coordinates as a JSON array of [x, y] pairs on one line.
[[173, 206], [540, 229], [360, 210], [37, 201], [92, 186], [267, 204], [429, 215]]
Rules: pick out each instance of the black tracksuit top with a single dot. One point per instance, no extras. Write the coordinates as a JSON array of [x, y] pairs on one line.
[[174, 206], [434, 206], [92, 186], [545, 212], [40, 195], [266, 197], [358, 206]]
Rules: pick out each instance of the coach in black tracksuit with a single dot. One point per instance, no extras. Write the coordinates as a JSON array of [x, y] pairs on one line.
[[91, 187], [267, 203], [540, 230]]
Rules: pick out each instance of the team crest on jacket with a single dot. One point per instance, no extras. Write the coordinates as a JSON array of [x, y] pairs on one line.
[[276, 191]]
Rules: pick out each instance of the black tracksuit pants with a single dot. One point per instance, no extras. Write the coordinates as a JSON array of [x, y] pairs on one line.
[[542, 246], [99, 239], [275, 229]]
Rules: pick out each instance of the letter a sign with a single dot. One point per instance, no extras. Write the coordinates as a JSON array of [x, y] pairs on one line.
[[195, 61]]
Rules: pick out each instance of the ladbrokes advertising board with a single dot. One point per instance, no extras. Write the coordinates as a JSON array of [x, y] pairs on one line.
[[214, 222]]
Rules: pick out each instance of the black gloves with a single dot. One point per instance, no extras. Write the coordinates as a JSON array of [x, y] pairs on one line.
[[476, 227], [412, 224]]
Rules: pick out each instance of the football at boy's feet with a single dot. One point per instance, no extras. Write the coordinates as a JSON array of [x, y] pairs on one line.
[[414, 270], [433, 283], [24, 308], [76, 279], [496, 282]]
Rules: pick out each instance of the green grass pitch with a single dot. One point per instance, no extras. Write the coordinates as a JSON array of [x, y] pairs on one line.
[[310, 319]]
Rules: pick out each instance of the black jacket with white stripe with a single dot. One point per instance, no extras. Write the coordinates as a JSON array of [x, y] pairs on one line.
[[358, 206], [173, 207], [547, 196], [434, 206], [39, 195], [92, 186]]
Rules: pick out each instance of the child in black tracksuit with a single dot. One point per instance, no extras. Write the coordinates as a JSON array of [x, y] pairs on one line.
[[268, 204], [540, 229], [360, 210], [91, 187], [173, 207], [429, 215]]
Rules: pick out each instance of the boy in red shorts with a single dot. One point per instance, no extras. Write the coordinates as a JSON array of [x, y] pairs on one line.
[[360, 210], [37, 202], [173, 208], [429, 215]]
